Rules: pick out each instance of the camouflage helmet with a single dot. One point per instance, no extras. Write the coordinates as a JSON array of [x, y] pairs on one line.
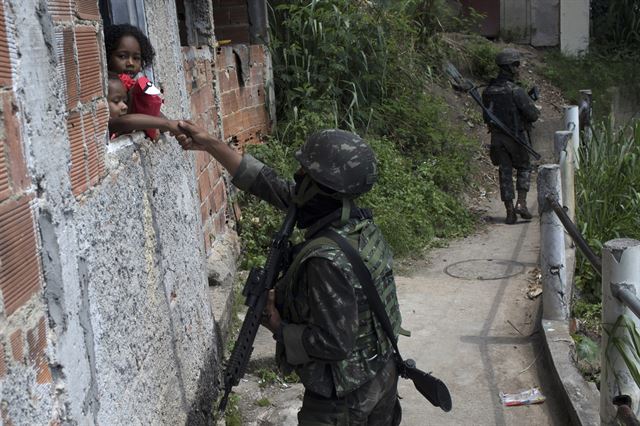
[[507, 57], [340, 161]]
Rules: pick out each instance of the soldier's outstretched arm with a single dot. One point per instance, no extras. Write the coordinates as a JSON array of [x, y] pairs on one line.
[[198, 139], [248, 173]]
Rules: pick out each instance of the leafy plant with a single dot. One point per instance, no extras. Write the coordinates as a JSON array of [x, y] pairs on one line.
[[607, 196], [623, 336]]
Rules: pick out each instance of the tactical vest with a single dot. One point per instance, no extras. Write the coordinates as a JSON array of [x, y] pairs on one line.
[[372, 348], [498, 98]]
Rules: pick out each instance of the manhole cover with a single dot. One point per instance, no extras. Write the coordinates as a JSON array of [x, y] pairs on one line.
[[484, 269]]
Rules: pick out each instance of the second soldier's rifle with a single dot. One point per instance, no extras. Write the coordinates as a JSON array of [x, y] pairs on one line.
[[256, 291], [464, 85]]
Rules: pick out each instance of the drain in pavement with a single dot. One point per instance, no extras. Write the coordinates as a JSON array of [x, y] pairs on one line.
[[484, 269]]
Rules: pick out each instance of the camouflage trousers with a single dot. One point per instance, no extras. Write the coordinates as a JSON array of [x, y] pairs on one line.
[[508, 155], [373, 404]]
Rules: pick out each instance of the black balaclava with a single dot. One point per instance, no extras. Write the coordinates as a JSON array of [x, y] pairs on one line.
[[317, 207]]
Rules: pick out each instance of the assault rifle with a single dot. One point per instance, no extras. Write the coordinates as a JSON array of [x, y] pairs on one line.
[[256, 292], [462, 84]]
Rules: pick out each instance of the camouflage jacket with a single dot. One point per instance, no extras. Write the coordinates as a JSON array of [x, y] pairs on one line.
[[331, 338], [510, 104]]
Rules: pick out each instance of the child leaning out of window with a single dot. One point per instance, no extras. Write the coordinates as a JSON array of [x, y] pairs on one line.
[[120, 122], [128, 52]]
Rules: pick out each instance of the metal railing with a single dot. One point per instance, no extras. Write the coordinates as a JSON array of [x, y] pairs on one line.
[[618, 267]]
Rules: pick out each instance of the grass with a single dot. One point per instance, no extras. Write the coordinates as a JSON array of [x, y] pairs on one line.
[[600, 70]]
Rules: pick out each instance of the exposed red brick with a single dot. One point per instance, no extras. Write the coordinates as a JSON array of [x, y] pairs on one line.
[[201, 101], [65, 52], [214, 172], [7, 47], [78, 170], [204, 186], [219, 195], [228, 80], [60, 10], [3, 364], [89, 63], [257, 52], [229, 101], [204, 210], [17, 346], [95, 127], [19, 264], [88, 9], [18, 176], [256, 74], [37, 340], [4, 173]]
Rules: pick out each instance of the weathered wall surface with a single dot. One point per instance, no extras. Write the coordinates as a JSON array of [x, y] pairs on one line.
[[104, 300]]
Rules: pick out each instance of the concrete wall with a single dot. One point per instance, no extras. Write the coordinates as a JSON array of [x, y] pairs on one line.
[[106, 245], [544, 23], [574, 26]]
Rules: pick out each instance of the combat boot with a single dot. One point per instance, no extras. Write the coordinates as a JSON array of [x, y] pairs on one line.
[[521, 205], [511, 213]]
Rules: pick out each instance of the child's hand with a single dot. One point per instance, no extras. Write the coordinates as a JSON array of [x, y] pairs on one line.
[[197, 139], [173, 128]]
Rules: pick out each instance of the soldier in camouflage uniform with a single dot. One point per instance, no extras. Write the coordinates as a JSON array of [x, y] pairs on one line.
[[318, 313], [515, 109]]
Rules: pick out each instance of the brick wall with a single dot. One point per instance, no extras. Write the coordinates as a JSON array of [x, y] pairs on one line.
[[231, 19], [23, 338], [238, 99], [200, 80], [79, 49], [241, 74], [24, 350]]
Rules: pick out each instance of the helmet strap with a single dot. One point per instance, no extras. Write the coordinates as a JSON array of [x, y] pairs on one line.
[[347, 204]]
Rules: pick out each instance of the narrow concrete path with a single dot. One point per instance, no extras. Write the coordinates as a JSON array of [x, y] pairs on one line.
[[474, 327]]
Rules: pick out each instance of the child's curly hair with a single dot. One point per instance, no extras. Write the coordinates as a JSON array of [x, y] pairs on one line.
[[113, 34]]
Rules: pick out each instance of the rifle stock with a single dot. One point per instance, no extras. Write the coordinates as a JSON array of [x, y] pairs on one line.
[[464, 85], [429, 386], [256, 291]]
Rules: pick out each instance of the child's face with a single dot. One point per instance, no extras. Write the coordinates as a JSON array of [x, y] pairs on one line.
[[126, 58], [117, 99]]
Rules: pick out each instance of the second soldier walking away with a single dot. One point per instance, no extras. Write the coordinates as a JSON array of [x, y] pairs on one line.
[[318, 313], [513, 107]]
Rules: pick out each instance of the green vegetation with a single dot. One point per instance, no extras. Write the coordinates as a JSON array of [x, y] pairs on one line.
[[612, 60], [607, 196], [267, 376], [263, 402], [599, 70], [369, 67], [232, 414]]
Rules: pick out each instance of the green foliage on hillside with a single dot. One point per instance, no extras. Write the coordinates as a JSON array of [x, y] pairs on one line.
[[367, 67]]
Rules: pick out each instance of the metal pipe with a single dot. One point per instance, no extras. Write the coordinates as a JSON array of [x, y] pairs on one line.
[[627, 297], [575, 234]]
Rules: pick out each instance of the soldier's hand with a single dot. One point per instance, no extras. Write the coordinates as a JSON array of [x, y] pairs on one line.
[[197, 139], [271, 317]]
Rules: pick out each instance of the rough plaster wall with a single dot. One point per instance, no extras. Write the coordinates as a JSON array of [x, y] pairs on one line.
[[39, 98], [131, 332], [162, 28]]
